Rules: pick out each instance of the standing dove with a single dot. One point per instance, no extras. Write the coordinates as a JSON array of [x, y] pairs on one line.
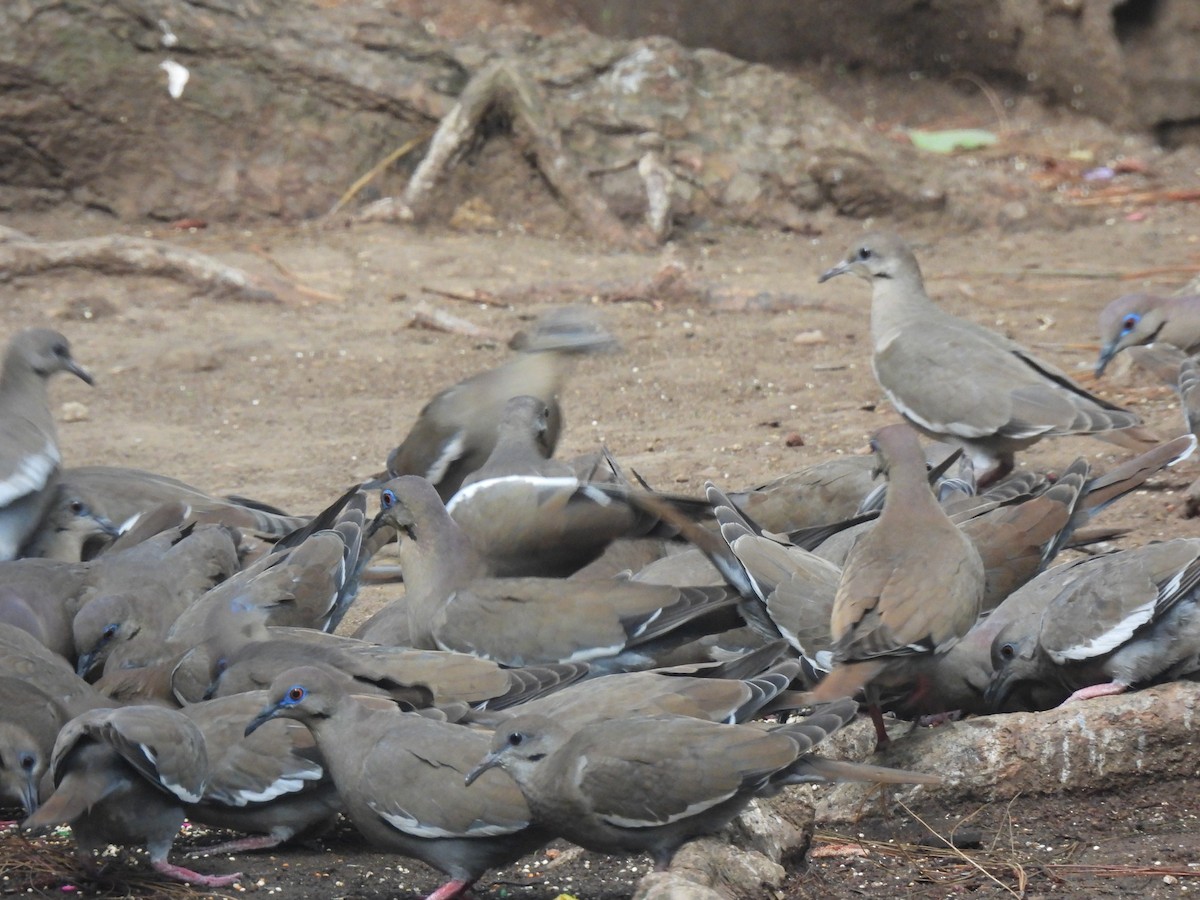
[[911, 587], [959, 382], [649, 783], [29, 454], [122, 776], [401, 778]]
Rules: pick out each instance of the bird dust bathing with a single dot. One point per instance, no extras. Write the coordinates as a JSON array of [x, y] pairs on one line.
[[571, 546]]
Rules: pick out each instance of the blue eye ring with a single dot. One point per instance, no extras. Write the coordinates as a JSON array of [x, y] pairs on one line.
[[387, 498], [1130, 322], [295, 694], [110, 631]]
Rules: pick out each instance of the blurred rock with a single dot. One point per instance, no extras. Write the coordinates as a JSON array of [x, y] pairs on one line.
[[1091, 746]]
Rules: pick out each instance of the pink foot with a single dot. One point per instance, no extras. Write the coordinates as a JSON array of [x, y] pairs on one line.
[[450, 890], [187, 876], [1097, 690], [262, 842]]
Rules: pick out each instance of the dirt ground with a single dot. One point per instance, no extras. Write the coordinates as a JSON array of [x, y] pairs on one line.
[[290, 403]]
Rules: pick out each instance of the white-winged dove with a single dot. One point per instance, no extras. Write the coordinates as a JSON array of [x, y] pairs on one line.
[[1187, 386], [1135, 320], [1019, 524], [124, 495], [788, 591], [959, 382], [30, 720], [647, 784], [1018, 539], [911, 587], [72, 530], [23, 656], [957, 680], [401, 777], [309, 578], [826, 492], [455, 432], [273, 783], [453, 605], [141, 593], [714, 698], [527, 515], [123, 776], [244, 655], [1127, 619], [29, 454]]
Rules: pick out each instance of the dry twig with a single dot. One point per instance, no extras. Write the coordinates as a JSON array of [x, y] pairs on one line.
[[481, 297], [376, 170], [1120, 195], [967, 859], [122, 255], [430, 317]]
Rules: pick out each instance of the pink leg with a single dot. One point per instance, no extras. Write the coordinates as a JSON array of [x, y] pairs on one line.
[[1097, 690], [187, 876], [450, 890], [261, 842], [881, 735]]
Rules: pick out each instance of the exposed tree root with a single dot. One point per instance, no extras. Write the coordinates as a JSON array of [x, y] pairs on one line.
[[120, 255], [504, 86]]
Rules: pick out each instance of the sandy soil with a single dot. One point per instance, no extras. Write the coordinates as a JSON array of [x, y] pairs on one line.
[[290, 403]]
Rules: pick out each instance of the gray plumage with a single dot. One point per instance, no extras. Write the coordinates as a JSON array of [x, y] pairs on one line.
[[962, 383], [649, 783], [272, 784], [29, 452], [453, 604], [1127, 619], [1135, 320], [527, 515], [456, 431], [73, 529], [911, 587], [123, 776], [401, 777], [30, 720]]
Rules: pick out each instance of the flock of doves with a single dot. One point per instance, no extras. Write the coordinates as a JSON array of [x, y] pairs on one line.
[[573, 655]]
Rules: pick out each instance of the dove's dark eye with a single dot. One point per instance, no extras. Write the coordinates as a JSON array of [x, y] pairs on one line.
[[516, 739], [110, 631], [27, 761], [865, 253], [1130, 322], [387, 499], [1008, 651]]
